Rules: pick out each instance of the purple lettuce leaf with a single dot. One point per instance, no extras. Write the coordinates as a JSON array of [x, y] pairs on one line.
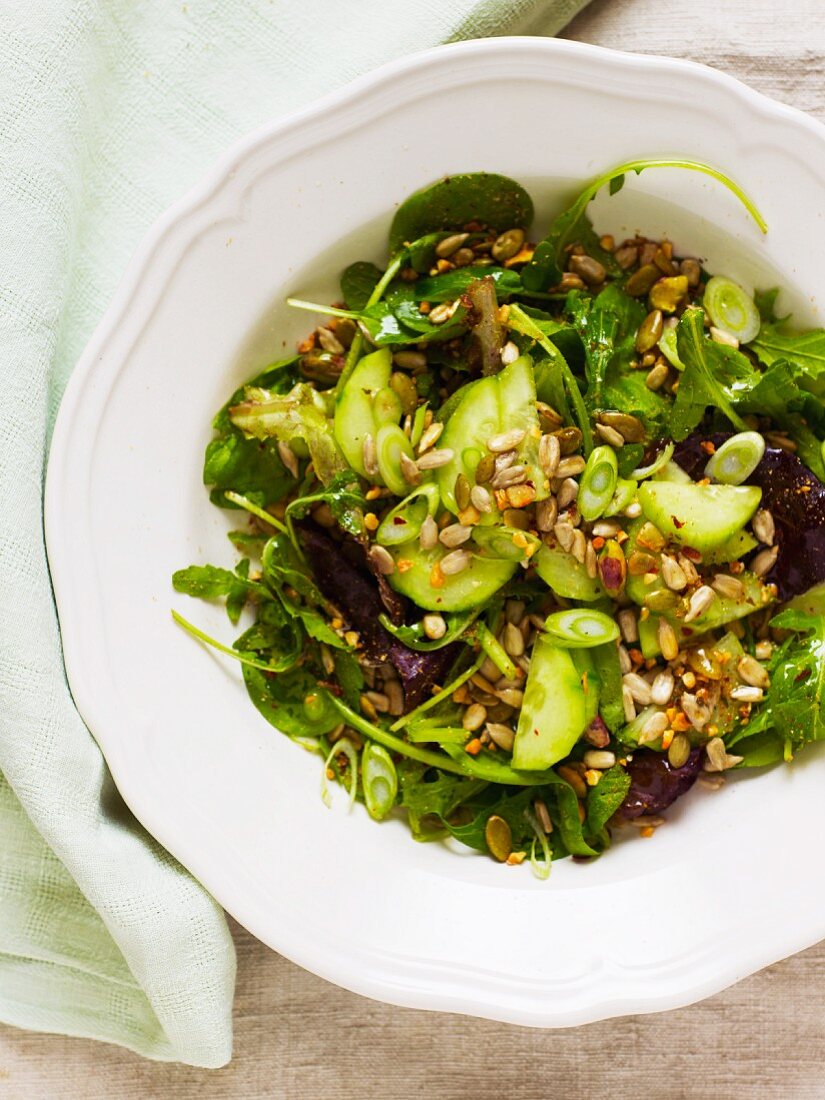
[[654, 784], [795, 498], [342, 574]]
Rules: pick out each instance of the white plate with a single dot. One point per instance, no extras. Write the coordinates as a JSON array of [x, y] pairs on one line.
[[736, 879]]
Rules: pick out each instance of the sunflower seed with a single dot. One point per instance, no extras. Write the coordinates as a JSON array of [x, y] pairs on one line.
[[382, 560], [729, 588], [513, 640], [505, 441], [568, 491], [657, 376], [764, 527], [547, 512], [432, 460], [609, 435], [455, 562], [549, 454], [625, 663], [628, 704], [606, 528], [442, 313], [410, 360], [370, 456], [719, 336], [444, 249], [716, 754], [661, 689], [597, 758], [764, 561], [630, 428], [700, 601], [455, 534], [672, 573], [512, 475], [579, 547], [564, 532], [430, 436], [409, 470], [543, 815], [509, 353], [474, 716], [752, 672], [502, 735], [428, 535], [653, 728], [481, 499], [638, 688], [434, 625], [747, 694]]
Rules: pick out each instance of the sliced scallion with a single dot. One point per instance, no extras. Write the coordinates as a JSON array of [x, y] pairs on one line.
[[379, 780], [667, 346], [404, 522], [598, 483], [418, 424], [731, 309], [581, 627], [660, 461], [623, 497], [736, 459], [390, 444], [346, 748]]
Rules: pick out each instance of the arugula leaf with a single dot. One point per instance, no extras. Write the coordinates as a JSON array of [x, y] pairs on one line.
[[349, 677], [795, 697], [345, 498], [804, 352], [237, 596], [274, 635], [605, 798], [358, 281], [571, 226], [713, 376], [429, 793]]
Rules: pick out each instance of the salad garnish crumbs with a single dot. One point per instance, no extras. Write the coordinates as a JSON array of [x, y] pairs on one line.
[[532, 533]]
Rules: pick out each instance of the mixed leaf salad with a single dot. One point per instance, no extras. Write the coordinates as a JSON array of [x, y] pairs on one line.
[[532, 532]]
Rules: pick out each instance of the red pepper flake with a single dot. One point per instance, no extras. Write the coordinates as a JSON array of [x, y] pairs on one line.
[[708, 447], [678, 523]]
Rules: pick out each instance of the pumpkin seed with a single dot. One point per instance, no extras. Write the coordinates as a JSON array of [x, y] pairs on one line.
[[640, 282], [679, 751], [508, 244], [485, 470], [668, 293], [499, 838], [657, 377], [462, 492], [650, 331], [630, 428], [570, 439], [410, 360]]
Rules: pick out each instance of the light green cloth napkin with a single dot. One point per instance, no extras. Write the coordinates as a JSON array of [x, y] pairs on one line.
[[109, 110]]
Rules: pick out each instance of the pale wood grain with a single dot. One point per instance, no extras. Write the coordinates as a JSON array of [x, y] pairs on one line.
[[299, 1038]]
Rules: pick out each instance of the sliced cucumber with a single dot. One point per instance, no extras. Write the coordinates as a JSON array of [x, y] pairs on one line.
[[736, 547], [720, 612], [554, 712], [701, 516], [672, 471], [488, 407], [355, 409], [589, 678], [567, 577], [460, 592]]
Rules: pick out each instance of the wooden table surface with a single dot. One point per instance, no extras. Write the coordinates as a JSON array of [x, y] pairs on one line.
[[298, 1038]]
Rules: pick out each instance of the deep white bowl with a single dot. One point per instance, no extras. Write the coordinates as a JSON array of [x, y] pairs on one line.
[[736, 879]]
